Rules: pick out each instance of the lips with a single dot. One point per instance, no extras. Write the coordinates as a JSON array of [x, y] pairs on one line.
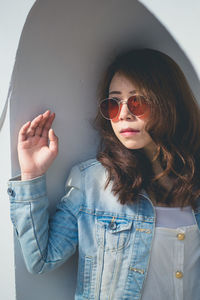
[[129, 130]]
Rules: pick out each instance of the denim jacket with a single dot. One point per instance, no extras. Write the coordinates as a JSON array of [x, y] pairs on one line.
[[114, 241]]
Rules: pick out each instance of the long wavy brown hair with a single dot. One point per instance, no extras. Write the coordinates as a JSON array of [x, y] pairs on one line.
[[174, 125]]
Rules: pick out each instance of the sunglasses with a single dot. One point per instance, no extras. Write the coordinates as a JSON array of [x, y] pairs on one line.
[[111, 107]]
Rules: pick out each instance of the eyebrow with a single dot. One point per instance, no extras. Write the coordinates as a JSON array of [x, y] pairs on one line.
[[119, 93]]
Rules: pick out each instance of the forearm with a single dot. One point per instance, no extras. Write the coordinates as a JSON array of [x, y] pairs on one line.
[[41, 241]]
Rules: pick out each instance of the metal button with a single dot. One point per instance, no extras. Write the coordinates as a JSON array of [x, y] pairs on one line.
[[10, 192], [179, 274], [180, 236], [113, 225]]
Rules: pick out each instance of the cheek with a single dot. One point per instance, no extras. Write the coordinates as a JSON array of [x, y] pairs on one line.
[[116, 119], [146, 115]]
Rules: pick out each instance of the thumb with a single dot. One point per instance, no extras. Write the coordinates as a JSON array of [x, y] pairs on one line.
[[53, 141]]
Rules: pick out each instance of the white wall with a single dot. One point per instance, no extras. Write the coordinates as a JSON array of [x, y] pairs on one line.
[[7, 276], [12, 18], [64, 48]]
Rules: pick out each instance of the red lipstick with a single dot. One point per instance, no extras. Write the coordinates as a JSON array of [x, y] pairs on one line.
[[129, 131]]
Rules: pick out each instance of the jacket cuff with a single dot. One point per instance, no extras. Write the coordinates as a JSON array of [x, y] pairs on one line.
[[27, 190]]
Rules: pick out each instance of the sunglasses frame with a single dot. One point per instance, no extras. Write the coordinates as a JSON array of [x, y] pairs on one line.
[[118, 103]]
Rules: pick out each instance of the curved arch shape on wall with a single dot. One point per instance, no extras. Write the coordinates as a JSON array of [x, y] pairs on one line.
[[64, 48], [182, 21], [11, 35]]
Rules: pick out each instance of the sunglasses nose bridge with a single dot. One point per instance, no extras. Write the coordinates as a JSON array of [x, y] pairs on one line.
[[123, 112], [123, 101]]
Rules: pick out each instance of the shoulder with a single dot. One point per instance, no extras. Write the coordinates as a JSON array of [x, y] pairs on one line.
[[86, 182], [91, 169], [89, 164], [88, 170]]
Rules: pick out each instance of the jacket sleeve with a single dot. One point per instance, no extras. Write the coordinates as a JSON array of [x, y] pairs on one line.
[[46, 242]]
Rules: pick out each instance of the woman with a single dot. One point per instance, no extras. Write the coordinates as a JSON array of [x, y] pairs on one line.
[[133, 211]]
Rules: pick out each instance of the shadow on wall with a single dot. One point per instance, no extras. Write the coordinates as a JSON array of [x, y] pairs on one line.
[[64, 48]]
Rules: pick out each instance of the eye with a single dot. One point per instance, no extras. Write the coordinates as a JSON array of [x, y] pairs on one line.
[[140, 99]]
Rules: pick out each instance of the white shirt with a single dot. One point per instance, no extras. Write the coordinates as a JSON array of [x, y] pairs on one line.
[[174, 267]]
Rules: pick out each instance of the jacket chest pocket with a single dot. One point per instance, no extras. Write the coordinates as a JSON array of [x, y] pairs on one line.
[[112, 233]]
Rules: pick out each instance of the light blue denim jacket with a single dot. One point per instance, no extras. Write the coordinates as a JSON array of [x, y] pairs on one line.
[[114, 241]]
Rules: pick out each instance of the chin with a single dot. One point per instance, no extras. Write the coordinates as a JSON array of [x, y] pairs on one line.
[[132, 146]]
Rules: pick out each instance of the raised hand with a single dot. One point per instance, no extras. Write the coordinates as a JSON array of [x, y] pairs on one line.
[[37, 146]]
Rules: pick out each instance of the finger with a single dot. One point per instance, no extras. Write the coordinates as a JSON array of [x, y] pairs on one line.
[[53, 142], [39, 129], [34, 124], [47, 126], [23, 132]]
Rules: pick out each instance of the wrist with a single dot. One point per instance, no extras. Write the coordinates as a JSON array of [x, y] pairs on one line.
[[29, 176]]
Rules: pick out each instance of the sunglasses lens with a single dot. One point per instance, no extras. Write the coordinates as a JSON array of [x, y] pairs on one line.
[[137, 105], [109, 108]]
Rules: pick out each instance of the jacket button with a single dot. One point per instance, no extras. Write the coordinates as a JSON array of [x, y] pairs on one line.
[[113, 225], [180, 236], [179, 274], [11, 192]]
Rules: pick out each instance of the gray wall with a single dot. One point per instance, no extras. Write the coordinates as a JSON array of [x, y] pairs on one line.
[[64, 48]]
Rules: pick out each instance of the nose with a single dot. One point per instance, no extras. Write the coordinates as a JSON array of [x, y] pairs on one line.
[[124, 112]]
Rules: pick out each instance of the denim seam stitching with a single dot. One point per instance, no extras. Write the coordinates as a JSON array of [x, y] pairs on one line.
[[83, 188], [91, 164], [137, 217], [38, 181], [71, 208], [31, 199], [42, 256]]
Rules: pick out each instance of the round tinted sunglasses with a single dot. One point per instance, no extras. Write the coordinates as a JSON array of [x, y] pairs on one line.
[[111, 107]]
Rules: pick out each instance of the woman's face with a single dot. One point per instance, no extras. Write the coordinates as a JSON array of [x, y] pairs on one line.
[[129, 129]]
